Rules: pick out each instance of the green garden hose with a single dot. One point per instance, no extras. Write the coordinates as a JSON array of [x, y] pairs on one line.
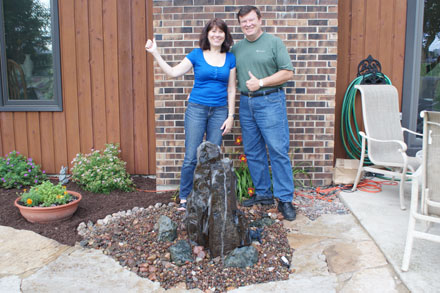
[[351, 139]]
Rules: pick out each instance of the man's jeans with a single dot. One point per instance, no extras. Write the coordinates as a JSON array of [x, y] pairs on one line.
[[199, 119], [264, 122]]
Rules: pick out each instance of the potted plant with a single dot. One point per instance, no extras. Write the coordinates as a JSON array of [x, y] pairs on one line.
[[46, 202]]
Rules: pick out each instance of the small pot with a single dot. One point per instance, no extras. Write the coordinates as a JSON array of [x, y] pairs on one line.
[[49, 214]]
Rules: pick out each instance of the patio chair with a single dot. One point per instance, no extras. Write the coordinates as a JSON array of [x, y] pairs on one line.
[[16, 81], [428, 174], [384, 134]]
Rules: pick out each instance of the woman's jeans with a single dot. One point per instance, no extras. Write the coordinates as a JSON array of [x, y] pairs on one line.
[[199, 119], [264, 122]]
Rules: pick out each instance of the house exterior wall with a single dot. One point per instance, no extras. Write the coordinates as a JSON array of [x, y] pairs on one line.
[[372, 27], [309, 31], [107, 91]]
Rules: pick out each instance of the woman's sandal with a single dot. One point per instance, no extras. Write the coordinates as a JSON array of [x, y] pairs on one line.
[[182, 206]]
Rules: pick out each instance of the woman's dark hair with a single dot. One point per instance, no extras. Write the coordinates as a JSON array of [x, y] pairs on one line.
[[246, 9], [216, 22]]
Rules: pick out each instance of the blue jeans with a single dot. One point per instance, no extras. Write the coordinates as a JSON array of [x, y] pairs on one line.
[[199, 119], [264, 122]]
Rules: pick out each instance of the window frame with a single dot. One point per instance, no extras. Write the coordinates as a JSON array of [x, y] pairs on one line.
[[411, 75], [54, 105]]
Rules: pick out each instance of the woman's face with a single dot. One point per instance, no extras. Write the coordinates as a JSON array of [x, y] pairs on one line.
[[216, 37]]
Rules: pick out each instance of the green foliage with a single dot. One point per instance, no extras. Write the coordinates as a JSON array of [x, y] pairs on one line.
[[431, 22], [245, 186], [101, 172], [46, 194], [27, 27], [244, 181], [297, 170], [16, 171]]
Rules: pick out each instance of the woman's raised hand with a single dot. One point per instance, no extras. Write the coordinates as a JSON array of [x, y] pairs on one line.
[[151, 46]]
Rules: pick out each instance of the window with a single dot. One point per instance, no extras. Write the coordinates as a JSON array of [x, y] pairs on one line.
[[421, 90], [30, 56]]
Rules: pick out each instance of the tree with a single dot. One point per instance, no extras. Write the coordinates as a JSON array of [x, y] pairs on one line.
[[27, 28]]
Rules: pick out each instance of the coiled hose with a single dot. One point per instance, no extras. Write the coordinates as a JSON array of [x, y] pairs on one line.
[[351, 139]]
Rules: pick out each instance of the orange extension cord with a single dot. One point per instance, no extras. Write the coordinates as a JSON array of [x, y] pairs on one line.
[[329, 194]]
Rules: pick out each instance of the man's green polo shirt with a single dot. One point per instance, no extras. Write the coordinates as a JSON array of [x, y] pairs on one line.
[[263, 57]]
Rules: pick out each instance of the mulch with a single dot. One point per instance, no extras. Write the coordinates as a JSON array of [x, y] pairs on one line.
[[91, 208]]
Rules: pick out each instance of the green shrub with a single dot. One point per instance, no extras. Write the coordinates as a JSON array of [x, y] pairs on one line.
[[46, 194], [16, 171], [101, 172]]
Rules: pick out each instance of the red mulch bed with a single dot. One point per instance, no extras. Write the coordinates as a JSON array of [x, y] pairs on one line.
[[91, 208]]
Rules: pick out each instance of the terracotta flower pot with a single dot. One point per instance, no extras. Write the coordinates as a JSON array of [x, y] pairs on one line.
[[49, 214]]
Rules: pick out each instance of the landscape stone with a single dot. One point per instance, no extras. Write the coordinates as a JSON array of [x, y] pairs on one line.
[[213, 219], [242, 257], [167, 229], [181, 252]]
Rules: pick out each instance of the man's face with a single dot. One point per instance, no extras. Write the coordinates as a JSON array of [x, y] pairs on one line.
[[250, 25]]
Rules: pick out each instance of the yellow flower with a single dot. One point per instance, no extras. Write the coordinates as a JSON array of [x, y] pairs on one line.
[[24, 190], [29, 201], [65, 192], [58, 196], [64, 186]]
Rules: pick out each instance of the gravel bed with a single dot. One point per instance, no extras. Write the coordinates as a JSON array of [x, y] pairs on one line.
[[311, 204], [130, 237]]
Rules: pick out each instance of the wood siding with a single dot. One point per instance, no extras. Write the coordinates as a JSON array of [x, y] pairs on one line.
[[373, 27], [107, 87]]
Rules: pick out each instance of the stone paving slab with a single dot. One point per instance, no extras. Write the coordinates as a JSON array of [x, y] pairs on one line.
[[300, 283], [22, 252], [86, 270], [10, 284]]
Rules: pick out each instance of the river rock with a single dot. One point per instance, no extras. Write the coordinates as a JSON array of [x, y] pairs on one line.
[[242, 257], [167, 229], [181, 252]]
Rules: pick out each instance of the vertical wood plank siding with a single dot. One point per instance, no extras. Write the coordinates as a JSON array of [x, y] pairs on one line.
[[368, 27], [105, 89]]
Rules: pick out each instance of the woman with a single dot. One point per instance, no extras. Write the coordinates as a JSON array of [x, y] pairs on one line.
[[211, 103]]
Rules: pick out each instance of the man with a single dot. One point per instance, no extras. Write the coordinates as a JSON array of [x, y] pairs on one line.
[[263, 67]]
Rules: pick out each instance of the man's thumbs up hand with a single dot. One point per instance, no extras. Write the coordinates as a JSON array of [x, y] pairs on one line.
[[252, 83]]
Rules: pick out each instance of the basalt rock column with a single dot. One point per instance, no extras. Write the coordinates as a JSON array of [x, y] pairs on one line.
[[213, 219]]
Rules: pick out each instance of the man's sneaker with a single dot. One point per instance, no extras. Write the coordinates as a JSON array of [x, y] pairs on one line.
[[258, 200], [287, 209]]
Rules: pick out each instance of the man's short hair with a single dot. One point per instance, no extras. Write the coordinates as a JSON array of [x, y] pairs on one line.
[[246, 9]]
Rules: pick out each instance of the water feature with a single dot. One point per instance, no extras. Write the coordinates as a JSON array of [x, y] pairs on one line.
[[213, 219]]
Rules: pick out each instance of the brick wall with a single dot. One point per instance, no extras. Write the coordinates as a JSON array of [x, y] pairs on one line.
[[308, 29]]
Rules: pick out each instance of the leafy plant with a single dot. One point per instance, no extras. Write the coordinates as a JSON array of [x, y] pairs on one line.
[[16, 171], [245, 186], [46, 194], [101, 172]]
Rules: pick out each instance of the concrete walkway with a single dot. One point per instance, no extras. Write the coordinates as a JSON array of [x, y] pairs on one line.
[[381, 216], [332, 254]]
